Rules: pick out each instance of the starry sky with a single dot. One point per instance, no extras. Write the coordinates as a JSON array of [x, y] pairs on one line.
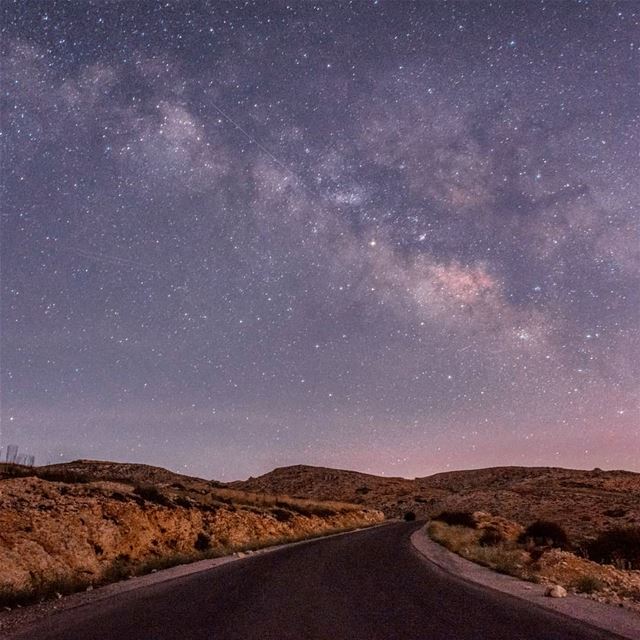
[[388, 236]]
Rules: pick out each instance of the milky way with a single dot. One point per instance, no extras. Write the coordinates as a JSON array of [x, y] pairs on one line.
[[394, 237]]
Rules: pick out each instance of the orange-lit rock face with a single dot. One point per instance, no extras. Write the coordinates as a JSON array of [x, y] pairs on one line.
[[57, 531]]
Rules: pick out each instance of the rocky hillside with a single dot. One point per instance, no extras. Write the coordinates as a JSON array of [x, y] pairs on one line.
[[584, 502], [320, 483], [70, 526]]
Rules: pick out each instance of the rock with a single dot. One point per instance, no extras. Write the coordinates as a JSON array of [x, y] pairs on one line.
[[556, 591], [89, 588]]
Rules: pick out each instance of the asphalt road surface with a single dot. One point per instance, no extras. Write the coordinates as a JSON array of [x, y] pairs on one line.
[[370, 585]]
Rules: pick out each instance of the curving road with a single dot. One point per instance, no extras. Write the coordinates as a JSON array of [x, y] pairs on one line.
[[370, 585]]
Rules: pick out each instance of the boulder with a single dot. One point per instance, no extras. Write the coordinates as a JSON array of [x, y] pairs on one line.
[[555, 591]]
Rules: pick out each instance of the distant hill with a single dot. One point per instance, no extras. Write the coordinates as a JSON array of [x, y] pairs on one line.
[[316, 482], [120, 472], [584, 502]]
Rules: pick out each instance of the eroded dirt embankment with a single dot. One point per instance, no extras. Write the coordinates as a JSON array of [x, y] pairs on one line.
[[57, 536]]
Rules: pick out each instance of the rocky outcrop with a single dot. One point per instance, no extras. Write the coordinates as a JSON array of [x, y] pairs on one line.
[[91, 532]]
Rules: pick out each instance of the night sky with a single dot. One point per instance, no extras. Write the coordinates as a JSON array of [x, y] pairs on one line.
[[388, 236]]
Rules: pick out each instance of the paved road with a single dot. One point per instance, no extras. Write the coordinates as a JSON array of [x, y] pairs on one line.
[[370, 585]]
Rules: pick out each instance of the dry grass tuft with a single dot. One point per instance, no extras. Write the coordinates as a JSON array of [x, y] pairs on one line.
[[502, 557]]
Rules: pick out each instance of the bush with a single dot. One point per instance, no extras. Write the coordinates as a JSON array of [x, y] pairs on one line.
[[491, 537], [409, 516], [203, 542], [180, 501], [152, 494], [282, 515], [588, 584], [619, 546], [457, 518], [545, 533], [119, 569]]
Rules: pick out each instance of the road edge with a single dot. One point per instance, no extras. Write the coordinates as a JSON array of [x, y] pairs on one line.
[[621, 622]]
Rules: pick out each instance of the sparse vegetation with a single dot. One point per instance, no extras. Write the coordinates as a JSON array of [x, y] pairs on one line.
[[61, 475], [39, 590], [464, 541], [151, 493], [588, 584], [453, 537]]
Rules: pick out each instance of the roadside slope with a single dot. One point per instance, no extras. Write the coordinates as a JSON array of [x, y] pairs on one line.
[[614, 620], [63, 536]]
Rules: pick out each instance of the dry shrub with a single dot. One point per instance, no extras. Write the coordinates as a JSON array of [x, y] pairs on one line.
[[619, 546], [454, 538], [491, 537], [203, 542], [151, 493], [282, 515], [545, 533], [457, 518], [588, 584], [501, 559]]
